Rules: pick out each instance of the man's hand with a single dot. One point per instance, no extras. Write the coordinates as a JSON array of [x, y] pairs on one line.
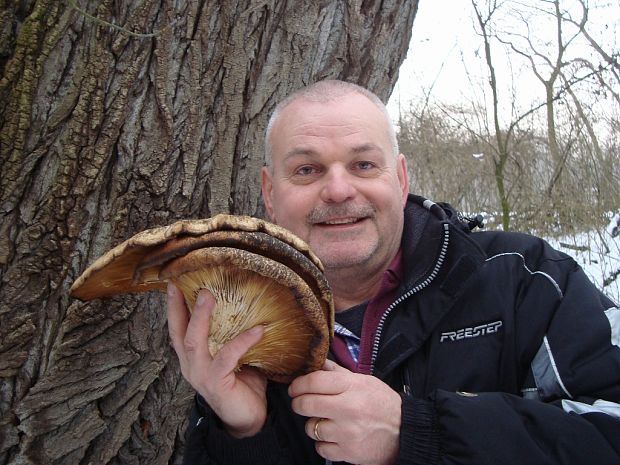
[[359, 415], [238, 398]]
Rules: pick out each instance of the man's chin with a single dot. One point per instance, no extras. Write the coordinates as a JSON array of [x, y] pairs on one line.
[[339, 260]]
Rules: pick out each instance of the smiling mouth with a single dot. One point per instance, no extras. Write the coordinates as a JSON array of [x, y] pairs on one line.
[[340, 215], [341, 221]]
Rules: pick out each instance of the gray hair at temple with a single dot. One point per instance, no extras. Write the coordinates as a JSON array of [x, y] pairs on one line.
[[327, 91]]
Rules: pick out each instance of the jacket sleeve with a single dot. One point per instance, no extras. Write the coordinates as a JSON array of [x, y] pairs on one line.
[[207, 443], [282, 440], [570, 414], [492, 428]]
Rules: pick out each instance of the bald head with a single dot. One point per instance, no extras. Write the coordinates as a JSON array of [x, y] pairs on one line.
[[325, 92]]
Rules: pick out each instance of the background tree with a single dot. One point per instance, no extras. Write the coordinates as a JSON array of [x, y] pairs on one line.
[[120, 115], [567, 173], [548, 164]]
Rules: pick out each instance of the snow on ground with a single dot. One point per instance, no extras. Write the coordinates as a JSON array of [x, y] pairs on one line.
[[598, 253]]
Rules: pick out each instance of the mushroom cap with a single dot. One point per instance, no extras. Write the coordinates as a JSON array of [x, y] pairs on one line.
[[258, 272], [108, 275], [256, 242]]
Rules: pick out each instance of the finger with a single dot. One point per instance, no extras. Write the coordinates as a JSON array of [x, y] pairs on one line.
[[330, 451], [330, 365], [319, 429], [178, 317], [196, 338], [227, 359], [320, 382], [317, 405]]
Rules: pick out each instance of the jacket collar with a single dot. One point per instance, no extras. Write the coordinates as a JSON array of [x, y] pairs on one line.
[[423, 233], [438, 260]]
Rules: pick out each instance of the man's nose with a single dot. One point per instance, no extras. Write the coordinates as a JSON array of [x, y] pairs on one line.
[[338, 186]]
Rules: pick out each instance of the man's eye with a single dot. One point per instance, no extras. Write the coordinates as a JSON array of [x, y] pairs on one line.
[[365, 165], [304, 171]]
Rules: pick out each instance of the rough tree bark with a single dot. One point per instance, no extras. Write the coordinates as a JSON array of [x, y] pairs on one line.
[[120, 115]]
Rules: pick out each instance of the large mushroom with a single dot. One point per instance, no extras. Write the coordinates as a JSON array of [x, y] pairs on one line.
[[258, 272]]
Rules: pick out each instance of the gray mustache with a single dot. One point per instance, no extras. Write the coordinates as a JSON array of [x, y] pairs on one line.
[[320, 215]]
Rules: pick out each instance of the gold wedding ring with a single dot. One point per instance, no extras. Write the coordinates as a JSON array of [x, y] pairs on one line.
[[316, 430]]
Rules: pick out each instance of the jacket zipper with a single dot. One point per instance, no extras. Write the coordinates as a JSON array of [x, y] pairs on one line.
[[409, 293]]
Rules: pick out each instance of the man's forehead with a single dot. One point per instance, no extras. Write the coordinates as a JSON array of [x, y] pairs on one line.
[[308, 125], [338, 101], [308, 119], [313, 151]]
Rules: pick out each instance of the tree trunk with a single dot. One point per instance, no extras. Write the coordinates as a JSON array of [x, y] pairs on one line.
[[117, 116]]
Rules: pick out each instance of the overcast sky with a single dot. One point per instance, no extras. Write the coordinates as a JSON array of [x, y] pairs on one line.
[[444, 44], [434, 51]]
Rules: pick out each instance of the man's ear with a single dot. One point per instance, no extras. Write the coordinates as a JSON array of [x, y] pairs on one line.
[[403, 177], [267, 188]]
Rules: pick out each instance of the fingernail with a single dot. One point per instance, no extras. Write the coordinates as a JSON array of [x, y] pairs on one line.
[[257, 329], [201, 298], [172, 290], [329, 365]]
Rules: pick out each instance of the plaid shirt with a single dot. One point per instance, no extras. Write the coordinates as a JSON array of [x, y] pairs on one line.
[[350, 339]]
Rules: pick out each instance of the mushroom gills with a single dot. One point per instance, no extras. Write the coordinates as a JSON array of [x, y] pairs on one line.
[[245, 299], [252, 290]]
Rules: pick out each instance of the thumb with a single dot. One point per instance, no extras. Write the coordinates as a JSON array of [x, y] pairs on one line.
[[227, 358], [330, 365]]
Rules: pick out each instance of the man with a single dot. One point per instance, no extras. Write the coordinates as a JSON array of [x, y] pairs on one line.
[[451, 347]]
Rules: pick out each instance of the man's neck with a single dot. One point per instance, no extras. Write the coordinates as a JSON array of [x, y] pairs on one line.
[[353, 289], [356, 285]]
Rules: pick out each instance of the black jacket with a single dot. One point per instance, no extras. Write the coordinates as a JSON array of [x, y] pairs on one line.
[[502, 349]]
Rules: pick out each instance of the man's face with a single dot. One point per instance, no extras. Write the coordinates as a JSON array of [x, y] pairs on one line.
[[336, 183]]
